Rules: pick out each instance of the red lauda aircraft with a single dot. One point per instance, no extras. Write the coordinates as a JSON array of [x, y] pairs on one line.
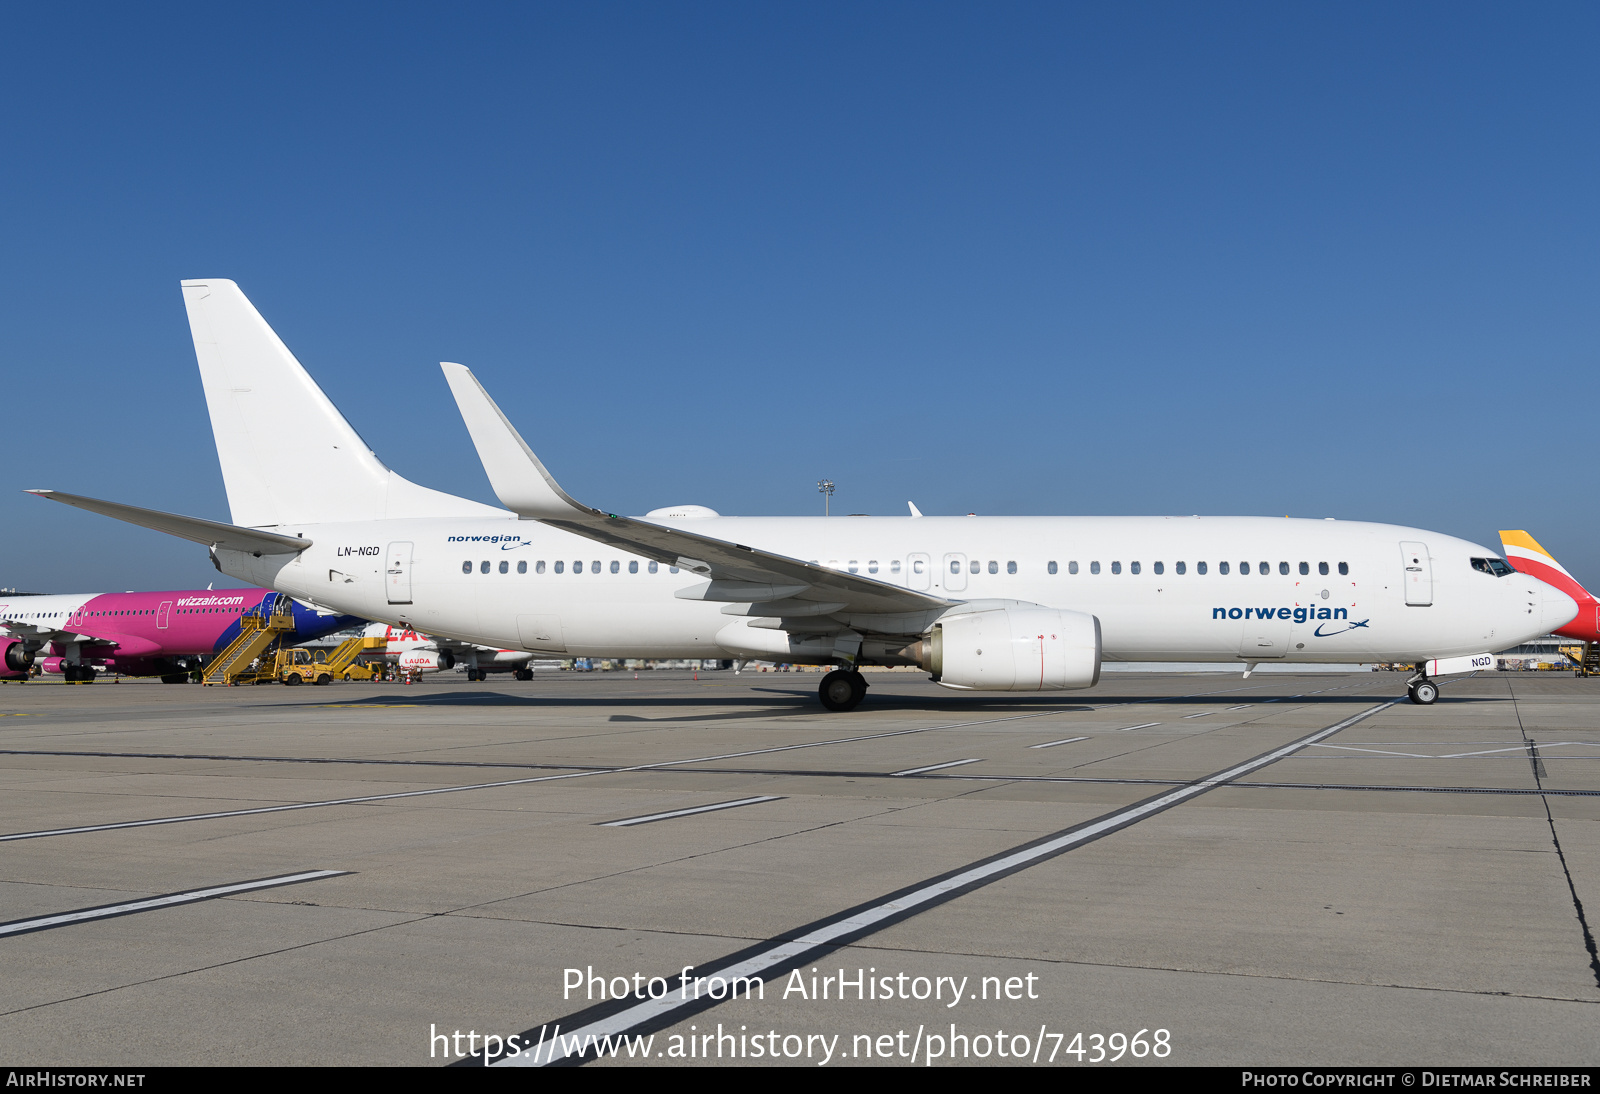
[[414, 653]]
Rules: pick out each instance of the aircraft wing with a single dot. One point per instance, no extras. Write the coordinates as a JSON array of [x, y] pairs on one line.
[[209, 532], [773, 584], [457, 646], [35, 635], [30, 631]]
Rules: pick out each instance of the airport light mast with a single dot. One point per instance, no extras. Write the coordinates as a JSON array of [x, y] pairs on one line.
[[825, 488]]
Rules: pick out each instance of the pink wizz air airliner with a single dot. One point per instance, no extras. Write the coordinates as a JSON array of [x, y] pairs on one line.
[[163, 634]]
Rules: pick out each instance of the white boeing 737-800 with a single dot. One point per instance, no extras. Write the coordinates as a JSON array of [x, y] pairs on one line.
[[981, 603]]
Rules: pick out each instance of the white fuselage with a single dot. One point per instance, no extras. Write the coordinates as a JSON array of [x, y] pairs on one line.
[[604, 603]]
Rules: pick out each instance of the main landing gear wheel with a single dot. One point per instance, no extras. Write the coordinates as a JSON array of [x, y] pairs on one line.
[[1424, 692], [842, 690], [524, 674]]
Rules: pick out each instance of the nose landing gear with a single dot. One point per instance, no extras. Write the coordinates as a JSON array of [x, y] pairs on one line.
[[1422, 690]]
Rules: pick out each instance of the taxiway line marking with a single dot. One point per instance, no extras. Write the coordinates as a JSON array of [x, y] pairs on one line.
[[1142, 725], [1064, 741], [193, 896], [937, 767], [651, 818], [777, 956], [1520, 751], [401, 794]]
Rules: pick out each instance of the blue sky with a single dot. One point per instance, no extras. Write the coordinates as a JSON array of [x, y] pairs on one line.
[[1324, 260]]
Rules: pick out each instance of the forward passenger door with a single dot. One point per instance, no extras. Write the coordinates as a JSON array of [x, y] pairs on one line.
[[1418, 574]]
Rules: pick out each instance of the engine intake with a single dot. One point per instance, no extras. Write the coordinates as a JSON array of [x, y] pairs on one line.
[[1014, 649], [15, 658], [426, 661]]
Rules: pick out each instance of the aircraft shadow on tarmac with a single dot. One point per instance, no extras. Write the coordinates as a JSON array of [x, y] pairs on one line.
[[778, 702]]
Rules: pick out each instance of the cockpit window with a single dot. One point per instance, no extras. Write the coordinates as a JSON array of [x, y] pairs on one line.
[[1497, 567]]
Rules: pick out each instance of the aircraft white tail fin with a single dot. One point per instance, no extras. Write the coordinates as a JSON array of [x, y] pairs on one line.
[[288, 456]]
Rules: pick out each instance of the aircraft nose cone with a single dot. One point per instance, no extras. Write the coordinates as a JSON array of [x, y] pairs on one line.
[[1556, 608]]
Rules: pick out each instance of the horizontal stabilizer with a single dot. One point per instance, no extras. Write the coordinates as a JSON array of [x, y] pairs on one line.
[[209, 532]]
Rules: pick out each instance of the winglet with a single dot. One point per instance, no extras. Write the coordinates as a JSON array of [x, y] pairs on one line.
[[914, 510], [520, 481]]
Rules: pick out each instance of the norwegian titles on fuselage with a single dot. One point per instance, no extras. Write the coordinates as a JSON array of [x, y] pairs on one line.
[[507, 543], [1299, 615]]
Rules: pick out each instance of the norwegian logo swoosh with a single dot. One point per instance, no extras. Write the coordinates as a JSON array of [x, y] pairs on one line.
[[1318, 633]]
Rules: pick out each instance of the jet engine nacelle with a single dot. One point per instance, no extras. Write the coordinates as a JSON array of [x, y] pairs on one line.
[[426, 661], [15, 659], [1015, 649]]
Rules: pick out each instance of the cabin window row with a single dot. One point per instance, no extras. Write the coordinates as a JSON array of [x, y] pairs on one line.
[[151, 611], [1263, 568], [977, 567], [560, 566]]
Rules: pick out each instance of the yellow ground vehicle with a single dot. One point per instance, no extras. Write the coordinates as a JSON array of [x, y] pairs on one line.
[[359, 671], [302, 666], [308, 666], [249, 657]]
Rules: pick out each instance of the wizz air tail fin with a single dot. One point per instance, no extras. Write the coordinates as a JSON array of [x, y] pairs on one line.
[[288, 456], [1525, 555]]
